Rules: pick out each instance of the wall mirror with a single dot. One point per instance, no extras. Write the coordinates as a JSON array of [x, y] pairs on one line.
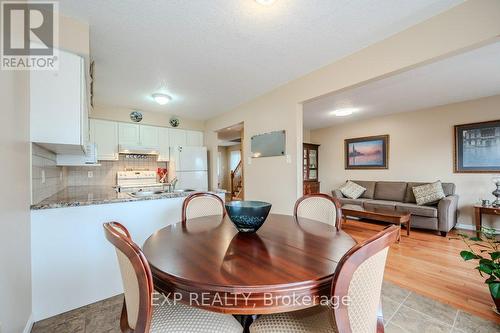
[[269, 144]]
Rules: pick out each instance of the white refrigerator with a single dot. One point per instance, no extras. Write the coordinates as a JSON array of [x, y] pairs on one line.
[[190, 167]]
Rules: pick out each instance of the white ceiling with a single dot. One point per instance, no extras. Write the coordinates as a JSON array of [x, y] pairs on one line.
[[216, 54], [470, 75]]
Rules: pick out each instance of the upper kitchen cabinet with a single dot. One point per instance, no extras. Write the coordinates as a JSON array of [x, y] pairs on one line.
[[138, 135], [104, 134], [149, 136], [194, 138], [177, 137], [58, 106], [128, 134], [164, 138]]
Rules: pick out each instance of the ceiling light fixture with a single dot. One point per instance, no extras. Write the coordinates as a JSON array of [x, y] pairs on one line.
[[344, 112], [265, 2], [161, 99]]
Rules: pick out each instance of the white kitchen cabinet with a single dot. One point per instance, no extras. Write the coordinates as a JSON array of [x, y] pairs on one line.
[[194, 138], [164, 143], [129, 134], [149, 136], [104, 134], [58, 108], [177, 137]]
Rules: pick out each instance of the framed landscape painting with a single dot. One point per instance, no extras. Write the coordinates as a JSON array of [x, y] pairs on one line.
[[370, 152], [477, 147]]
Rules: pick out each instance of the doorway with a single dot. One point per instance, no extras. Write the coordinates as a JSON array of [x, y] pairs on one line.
[[229, 162]]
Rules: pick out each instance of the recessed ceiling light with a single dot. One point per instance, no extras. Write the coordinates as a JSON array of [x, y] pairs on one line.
[[344, 112], [161, 99], [265, 2]]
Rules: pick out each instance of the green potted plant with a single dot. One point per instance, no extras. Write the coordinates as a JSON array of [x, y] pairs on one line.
[[485, 248]]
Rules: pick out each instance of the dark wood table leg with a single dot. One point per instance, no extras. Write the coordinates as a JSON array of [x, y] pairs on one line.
[[408, 227], [478, 217]]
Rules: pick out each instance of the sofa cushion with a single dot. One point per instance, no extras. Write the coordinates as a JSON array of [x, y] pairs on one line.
[[414, 209], [369, 186], [429, 193], [380, 204], [352, 190], [448, 188], [392, 191], [357, 202]]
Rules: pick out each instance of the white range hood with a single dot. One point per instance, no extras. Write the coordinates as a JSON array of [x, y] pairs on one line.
[[142, 150]]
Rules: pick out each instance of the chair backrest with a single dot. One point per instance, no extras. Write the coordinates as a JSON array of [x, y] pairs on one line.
[[136, 277], [319, 207], [202, 204], [357, 284]]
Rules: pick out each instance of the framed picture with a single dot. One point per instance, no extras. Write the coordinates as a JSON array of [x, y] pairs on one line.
[[370, 152], [477, 147]]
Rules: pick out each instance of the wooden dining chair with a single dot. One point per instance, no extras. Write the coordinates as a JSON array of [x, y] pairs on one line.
[[138, 313], [319, 207], [202, 204], [357, 280]]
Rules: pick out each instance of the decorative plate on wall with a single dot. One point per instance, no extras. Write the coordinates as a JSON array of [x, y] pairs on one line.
[[136, 116], [174, 122]]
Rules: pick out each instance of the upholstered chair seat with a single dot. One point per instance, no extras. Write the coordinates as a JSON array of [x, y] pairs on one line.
[[178, 317], [318, 319], [319, 207], [141, 312], [357, 280]]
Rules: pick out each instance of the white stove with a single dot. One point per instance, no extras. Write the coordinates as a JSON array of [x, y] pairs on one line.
[[138, 181]]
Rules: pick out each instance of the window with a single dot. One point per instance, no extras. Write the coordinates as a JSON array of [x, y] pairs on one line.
[[234, 159]]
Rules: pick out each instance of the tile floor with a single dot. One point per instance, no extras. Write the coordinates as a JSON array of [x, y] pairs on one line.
[[404, 312]]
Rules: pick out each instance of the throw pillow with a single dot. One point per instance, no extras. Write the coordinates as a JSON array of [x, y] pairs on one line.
[[352, 190], [429, 193]]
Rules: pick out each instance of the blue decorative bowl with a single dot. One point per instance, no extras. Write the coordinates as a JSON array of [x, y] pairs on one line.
[[248, 216]]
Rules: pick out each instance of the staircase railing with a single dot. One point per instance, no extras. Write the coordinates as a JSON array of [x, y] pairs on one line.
[[237, 182]]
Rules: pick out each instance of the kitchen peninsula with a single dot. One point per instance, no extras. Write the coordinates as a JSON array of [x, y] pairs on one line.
[[72, 263]]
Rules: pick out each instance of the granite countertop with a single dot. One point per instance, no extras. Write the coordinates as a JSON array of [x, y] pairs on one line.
[[73, 196]]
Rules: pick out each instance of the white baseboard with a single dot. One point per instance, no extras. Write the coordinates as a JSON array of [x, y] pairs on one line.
[[465, 226], [29, 324]]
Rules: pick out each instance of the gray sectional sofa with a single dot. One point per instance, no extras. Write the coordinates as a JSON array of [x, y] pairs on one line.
[[399, 196]]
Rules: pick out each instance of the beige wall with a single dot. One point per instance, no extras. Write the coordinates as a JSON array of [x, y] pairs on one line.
[[307, 135], [421, 149], [74, 36], [149, 118], [223, 179], [15, 258], [278, 179]]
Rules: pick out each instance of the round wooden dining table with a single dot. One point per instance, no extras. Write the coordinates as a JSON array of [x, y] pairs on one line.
[[288, 264]]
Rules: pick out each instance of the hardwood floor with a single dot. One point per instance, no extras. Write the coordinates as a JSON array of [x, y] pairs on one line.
[[430, 265]]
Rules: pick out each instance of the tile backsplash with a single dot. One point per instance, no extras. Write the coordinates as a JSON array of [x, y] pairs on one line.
[[46, 177], [106, 173]]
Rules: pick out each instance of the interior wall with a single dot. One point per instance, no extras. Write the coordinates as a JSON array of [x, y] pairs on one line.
[[15, 257], [307, 135], [421, 149], [149, 118], [279, 179], [223, 180]]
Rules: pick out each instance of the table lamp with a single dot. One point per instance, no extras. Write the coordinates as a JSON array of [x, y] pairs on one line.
[[496, 193]]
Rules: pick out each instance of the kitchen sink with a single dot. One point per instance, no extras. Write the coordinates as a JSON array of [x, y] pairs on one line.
[[147, 193], [184, 191]]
